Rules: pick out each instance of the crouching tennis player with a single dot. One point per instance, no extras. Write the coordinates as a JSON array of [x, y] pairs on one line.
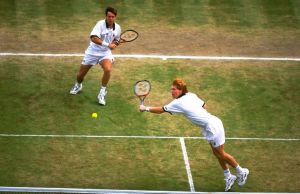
[[194, 109]]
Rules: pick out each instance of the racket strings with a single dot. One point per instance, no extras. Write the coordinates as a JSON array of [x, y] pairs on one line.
[[129, 35], [142, 91], [142, 88]]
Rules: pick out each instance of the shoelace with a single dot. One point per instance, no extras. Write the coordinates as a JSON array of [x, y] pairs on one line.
[[242, 177], [76, 87]]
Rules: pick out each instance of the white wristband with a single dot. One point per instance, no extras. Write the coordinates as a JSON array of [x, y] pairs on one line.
[[105, 43], [148, 109]]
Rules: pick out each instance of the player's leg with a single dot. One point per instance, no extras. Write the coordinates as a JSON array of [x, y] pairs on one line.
[[242, 173], [225, 159], [217, 142], [222, 163], [106, 65], [87, 62], [79, 79], [82, 72]]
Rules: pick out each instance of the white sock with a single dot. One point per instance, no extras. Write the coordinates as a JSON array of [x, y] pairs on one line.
[[103, 88], [239, 169], [227, 173]]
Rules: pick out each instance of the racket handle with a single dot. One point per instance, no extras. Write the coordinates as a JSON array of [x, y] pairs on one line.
[[142, 98]]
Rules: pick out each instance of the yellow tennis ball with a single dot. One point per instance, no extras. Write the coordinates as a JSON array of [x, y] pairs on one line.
[[94, 115]]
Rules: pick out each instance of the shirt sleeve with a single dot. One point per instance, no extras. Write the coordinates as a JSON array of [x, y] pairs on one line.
[[96, 30], [173, 107]]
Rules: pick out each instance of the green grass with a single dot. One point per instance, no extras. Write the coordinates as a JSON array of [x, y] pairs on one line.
[[253, 99], [63, 14], [93, 163], [265, 27], [272, 165], [261, 100]]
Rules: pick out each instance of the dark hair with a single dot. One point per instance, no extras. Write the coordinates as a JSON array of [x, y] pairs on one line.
[[180, 85], [112, 10]]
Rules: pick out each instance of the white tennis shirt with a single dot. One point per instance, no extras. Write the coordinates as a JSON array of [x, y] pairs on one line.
[[191, 106], [106, 34]]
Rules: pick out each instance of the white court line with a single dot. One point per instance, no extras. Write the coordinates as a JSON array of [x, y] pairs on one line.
[[164, 57], [106, 191], [79, 190], [187, 164], [144, 137]]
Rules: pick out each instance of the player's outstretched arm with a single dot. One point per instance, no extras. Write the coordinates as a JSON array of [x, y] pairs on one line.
[[157, 110]]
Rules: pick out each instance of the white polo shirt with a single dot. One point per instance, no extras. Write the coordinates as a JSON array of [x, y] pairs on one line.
[[106, 34], [192, 107]]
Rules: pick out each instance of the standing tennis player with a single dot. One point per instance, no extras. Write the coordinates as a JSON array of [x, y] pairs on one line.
[[104, 37], [194, 109]]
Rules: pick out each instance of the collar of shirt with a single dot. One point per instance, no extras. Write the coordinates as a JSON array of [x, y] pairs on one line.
[[107, 26], [181, 95]]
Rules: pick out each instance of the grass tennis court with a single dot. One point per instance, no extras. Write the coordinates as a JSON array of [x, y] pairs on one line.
[[44, 107], [254, 99]]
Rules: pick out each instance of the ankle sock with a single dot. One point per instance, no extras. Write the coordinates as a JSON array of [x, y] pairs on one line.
[[227, 173], [239, 169]]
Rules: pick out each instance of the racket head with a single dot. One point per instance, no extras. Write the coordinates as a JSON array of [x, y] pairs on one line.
[[142, 89], [128, 36]]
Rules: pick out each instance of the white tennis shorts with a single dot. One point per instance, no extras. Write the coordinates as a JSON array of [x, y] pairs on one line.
[[214, 133], [89, 59]]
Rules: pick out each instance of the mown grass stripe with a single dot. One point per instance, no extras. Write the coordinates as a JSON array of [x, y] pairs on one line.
[[144, 137], [164, 57]]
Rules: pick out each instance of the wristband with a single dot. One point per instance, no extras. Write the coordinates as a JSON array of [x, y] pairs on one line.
[[105, 43], [148, 109]]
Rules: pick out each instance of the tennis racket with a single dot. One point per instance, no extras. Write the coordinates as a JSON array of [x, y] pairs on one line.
[[142, 89], [128, 36]]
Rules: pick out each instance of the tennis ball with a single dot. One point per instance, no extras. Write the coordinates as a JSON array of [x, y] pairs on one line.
[[94, 115]]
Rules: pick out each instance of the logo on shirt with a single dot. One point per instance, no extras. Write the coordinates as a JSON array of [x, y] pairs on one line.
[[213, 143]]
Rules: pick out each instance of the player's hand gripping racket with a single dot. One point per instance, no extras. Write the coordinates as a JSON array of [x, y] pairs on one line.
[[142, 89], [128, 36]]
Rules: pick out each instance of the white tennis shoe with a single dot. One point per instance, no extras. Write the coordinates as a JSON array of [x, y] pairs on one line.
[[101, 97], [242, 177], [76, 88], [229, 182]]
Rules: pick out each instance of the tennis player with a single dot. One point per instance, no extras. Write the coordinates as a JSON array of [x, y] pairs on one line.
[[104, 38], [194, 109]]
